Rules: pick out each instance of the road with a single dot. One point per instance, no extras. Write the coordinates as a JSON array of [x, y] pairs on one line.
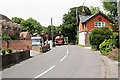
[[67, 61]]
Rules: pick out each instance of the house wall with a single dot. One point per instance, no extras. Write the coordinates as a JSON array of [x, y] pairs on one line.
[[82, 38], [81, 28], [91, 24]]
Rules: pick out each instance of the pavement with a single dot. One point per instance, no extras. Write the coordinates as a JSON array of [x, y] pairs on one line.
[[34, 53], [111, 66]]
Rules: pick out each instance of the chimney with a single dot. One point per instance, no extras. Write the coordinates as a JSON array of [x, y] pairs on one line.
[[83, 11]]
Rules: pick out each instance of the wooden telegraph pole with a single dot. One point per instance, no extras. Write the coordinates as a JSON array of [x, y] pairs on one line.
[[52, 34]]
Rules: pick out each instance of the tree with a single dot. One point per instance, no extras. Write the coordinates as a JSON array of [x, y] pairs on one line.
[[31, 25], [111, 7], [17, 20], [94, 10], [69, 22]]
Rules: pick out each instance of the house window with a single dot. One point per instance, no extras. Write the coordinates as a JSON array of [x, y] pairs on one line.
[[99, 24]]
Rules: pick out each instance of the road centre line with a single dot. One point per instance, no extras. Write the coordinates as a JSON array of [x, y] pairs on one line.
[[67, 52], [63, 58], [44, 72]]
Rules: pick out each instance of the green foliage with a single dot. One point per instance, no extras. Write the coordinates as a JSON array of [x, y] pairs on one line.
[[13, 37], [114, 54], [77, 39], [9, 37], [5, 36], [3, 51], [94, 47], [31, 25], [114, 27], [111, 7], [66, 39], [80, 45], [69, 25], [9, 50], [98, 35], [17, 20], [107, 46], [94, 10]]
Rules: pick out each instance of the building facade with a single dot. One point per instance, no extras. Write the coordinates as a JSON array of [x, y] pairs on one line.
[[88, 23]]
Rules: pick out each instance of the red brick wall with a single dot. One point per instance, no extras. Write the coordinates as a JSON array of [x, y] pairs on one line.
[[91, 24], [17, 44]]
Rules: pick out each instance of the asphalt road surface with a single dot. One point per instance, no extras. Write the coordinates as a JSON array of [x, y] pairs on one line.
[[67, 61]]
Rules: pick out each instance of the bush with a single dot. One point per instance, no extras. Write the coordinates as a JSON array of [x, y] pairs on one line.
[[9, 50], [114, 54], [5, 36], [116, 38], [107, 46], [94, 47], [98, 35], [3, 51]]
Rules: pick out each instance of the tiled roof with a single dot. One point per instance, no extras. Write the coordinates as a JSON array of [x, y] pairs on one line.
[[2, 17], [84, 19]]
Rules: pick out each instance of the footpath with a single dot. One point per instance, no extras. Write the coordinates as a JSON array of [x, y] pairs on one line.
[[111, 66]]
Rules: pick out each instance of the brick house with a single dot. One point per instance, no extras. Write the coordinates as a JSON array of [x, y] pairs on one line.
[[88, 23], [13, 29]]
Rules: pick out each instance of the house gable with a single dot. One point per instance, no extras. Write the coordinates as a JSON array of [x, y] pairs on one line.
[[87, 23], [90, 25]]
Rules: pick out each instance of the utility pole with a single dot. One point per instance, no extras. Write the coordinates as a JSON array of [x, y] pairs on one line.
[[52, 34], [77, 20]]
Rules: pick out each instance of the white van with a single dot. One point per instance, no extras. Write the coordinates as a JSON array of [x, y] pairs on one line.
[[36, 40]]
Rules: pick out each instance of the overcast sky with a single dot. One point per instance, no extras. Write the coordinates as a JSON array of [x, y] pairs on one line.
[[42, 10]]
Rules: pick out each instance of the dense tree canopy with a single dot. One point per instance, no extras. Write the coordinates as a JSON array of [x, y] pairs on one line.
[[94, 10], [17, 20], [30, 24], [69, 25], [111, 8]]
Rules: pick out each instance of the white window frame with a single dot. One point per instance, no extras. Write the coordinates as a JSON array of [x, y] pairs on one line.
[[99, 24]]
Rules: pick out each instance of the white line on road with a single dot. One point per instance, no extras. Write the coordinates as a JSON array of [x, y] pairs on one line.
[[45, 72], [67, 52], [63, 58]]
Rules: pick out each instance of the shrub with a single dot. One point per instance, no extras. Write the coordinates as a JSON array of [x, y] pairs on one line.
[[3, 51], [98, 35], [94, 47], [9, 50], [116, 38], [5, 36], [107, 46], [113, 54]]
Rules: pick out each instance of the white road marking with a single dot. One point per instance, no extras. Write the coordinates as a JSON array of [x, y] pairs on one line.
[[45, 72], [63, 58], [67, 52]]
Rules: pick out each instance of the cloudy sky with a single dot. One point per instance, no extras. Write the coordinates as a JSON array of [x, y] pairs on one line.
[[42, 10]]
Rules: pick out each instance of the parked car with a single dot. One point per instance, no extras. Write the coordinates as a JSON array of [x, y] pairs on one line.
[[36, 40]]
